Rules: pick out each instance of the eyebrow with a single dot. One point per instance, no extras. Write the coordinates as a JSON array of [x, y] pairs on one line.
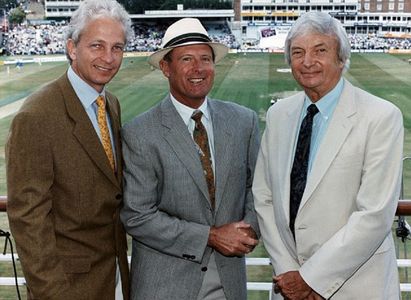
[[315, 46], [320, 44]]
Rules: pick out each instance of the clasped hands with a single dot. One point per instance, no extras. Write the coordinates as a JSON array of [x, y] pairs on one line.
[[233, 239], [293, 287]]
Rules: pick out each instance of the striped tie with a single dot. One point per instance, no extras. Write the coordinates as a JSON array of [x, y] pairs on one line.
[[105, 134]]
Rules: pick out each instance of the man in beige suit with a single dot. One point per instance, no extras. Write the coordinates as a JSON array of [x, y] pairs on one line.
[[328, 174], [64, 168]]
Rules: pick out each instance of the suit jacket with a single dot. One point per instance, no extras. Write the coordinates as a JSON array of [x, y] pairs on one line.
[[343, 245], [64, 199], [167, 209]]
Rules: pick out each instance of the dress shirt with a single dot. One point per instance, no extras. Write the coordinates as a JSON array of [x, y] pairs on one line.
[[326, 106], [186, 112], [88, 96]]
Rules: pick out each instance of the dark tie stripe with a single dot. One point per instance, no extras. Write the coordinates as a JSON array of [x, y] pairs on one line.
[[300, 166]]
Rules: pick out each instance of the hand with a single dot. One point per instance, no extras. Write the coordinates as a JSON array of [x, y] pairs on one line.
[[292, 286], [233, 239], [314, 296], [250, 233]]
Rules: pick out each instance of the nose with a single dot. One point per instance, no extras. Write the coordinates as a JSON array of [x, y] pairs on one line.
[[308, 60], [108, 55], [197, 65]]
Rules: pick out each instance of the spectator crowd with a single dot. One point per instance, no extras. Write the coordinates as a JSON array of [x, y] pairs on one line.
[[375, 42], [49, 39]]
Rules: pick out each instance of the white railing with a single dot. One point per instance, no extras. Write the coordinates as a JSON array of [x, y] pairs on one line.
[[251, 286]]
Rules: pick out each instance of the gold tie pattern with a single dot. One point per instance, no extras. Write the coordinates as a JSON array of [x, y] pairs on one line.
[[201, 139], [105, 134]]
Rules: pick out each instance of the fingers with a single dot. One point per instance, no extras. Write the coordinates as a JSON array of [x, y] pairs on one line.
[[232, 239], [241, 224], [291, 285], [248, 239]]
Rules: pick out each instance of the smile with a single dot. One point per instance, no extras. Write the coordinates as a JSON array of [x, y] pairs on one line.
[[310, 74], [196, 80], [102, 68]]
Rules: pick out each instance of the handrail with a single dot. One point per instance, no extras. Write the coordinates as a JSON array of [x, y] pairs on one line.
[[3, 203], [403, 208]]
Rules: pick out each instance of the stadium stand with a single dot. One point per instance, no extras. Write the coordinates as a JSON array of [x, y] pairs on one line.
[[371, 42], [49, 39]]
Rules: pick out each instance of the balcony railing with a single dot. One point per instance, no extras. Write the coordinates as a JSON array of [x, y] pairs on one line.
[[403, 209]]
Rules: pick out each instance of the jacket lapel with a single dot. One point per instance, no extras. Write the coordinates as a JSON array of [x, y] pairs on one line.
[[223, 147], [178, 137], [286, 155], [115, 127], [84, 131], [337, 132]]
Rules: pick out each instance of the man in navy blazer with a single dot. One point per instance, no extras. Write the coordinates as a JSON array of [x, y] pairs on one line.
[[184, 246]]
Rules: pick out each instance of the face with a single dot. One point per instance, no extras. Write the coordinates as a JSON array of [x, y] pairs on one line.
[[190, 73], [97, 56], [315, 64]]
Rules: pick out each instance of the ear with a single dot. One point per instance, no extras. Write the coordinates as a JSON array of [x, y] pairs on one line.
[[165, 68], [71, 49], [342, 64]]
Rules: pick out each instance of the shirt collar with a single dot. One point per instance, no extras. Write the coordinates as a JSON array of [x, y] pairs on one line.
[[327, 104], [84, 91], [186, 112]]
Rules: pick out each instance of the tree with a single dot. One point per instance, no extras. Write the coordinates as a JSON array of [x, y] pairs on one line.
[[17, 15]]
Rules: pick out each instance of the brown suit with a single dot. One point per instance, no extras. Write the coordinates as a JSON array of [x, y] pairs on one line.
[[64, 199]]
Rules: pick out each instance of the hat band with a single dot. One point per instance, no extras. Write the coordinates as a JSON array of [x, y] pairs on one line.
[[186, 38]]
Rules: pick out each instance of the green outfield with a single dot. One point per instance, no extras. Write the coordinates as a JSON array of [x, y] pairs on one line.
[[248, 79]]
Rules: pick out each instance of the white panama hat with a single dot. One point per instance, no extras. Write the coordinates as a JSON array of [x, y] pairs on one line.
[[187, 31]]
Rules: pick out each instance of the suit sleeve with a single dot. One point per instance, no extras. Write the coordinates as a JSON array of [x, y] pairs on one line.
[[29, 179], [250, 216], [367, 228], [141, 215], [280, 256]]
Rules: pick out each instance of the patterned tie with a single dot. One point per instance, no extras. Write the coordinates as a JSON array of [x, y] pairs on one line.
[[105, 134], [300, 166], [201, 138]]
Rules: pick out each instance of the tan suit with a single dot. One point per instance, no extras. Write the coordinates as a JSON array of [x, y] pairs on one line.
[[64, 198], [343, 245]]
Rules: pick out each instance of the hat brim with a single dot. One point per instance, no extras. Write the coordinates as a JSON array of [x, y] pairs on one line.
[[220, 50]]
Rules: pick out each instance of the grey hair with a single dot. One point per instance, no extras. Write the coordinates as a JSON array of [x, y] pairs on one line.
[[93, 9], [322, 23]]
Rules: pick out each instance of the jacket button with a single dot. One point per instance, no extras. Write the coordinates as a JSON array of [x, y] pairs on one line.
[[204, 269], [119, 196]]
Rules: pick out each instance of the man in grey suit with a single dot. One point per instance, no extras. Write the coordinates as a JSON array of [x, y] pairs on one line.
[[189, 164]]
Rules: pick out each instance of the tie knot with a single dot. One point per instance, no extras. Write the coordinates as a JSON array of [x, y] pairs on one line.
[[312, 110], [196, 116], [100, 101]]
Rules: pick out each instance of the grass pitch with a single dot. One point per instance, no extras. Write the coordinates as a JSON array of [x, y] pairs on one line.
[[251, 79]]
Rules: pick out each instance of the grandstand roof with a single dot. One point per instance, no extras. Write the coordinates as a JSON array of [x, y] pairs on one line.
[[193, 13]]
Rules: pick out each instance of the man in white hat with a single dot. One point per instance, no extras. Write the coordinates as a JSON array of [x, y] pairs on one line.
[[189, 164]]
